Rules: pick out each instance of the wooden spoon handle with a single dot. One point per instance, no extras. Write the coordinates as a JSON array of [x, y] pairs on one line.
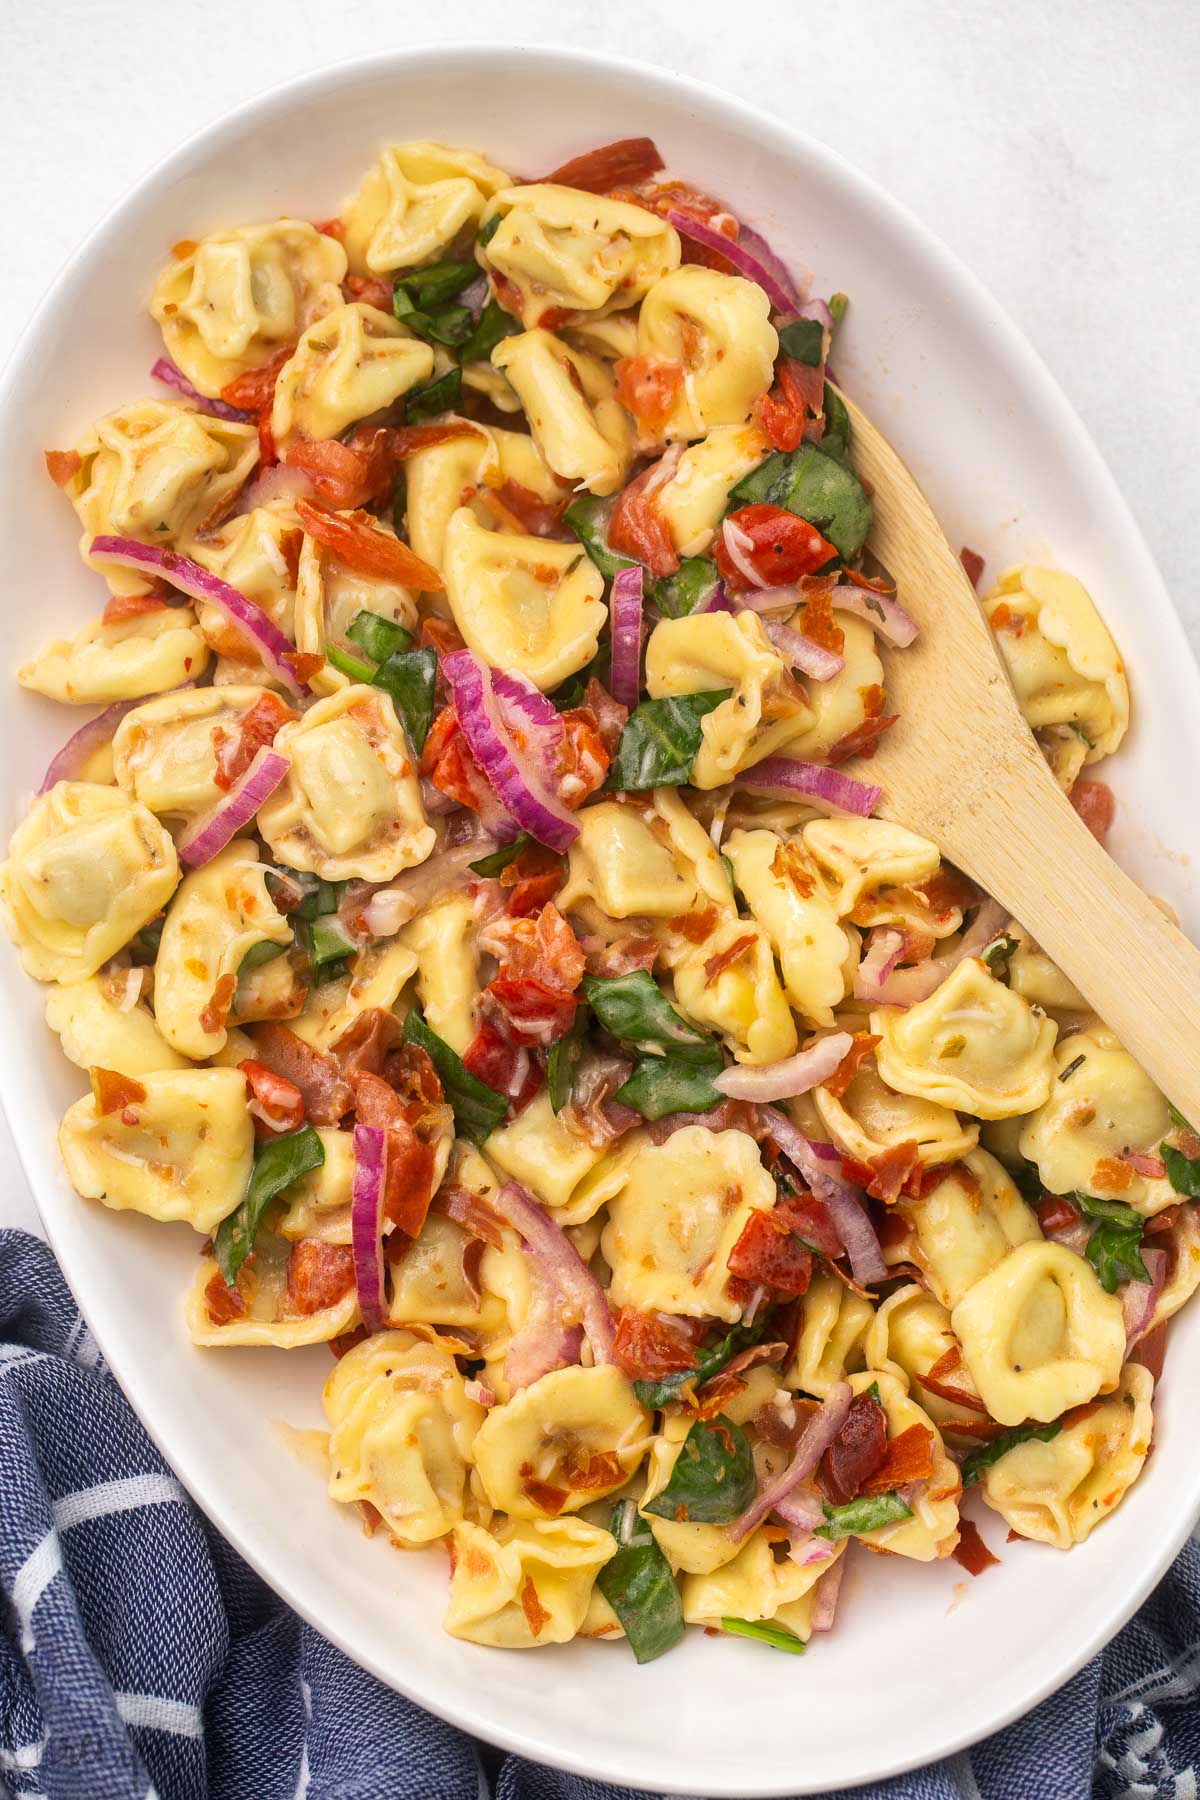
[[1138, 970]]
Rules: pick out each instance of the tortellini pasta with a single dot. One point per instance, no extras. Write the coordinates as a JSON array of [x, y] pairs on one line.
[[910, 1338], [85, 871], [220, 912], [430, 1285], [841, 705], [353, 362], [165, 752], [620, 866], [1101, 1107], [183, 1151], [1038, 980], [1063, 664], [834, 1322], [729, 984], [258, 553], [402, 1429], [375, 977], [965, 1224], [99, 1029], [413, 203], [761, 1582], [870, 1119], [558, 249], [972, 1044], [861, 860], [569, 399], [567, 1439], [328, 600], [529, 1585], [483, 461], [1040, 1334], [717, 329], [523, 603], [680, 1212], [318, 1205], [123, 660], [442, 939], [236, 297], [569, 1175], [695, 499], [707, 652], [1058, 1492], [816, 953], [349, 805], [263, 1310]]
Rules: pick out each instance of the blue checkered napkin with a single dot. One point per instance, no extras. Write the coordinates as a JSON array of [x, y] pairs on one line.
[[140, 1657]]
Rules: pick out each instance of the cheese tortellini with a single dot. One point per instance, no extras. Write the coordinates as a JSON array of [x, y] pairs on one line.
[[526, 1586], [121, 660], [99, 1028], [964, 1224], [1102, 1106], [165, 752], [569, 398], [972, 1044], [349, 805], [353, 362], [438, 476], [717, 329], [560, 250], [708, 652], [413, 203], [695, 499], [570, 1438], [817, 954]]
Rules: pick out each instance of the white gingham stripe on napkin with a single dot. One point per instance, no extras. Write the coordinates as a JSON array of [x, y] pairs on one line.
[[142, 1660]]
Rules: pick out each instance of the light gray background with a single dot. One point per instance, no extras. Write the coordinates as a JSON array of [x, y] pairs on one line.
[[1052, 143]]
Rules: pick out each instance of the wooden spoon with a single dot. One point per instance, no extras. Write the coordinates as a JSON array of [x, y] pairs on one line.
[[962, 768]]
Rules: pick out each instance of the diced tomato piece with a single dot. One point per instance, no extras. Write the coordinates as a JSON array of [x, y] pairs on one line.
[[318, 1274], [1096, 805], [797, 397], [769, 1255], [131, 606], [1055, 1213], [637, 529], [675, 196], [114, 1093], [545, 948], [343, 475], [855, 1453], [222, 1302], [809, 1218], [533, 1012], [331, 228], [61, 465], [624, 162], [505, 1067], [275, 1102], [909, 1457], [369, 290], [533, 515], [648, 388], [534, 877], [972, 563], [254, 391], [781, 547], [862, 741], [585, 759], [357, 543], [649, 1345], [409, 1161], [236, 751], [609, 714], [215, 1011], [859, 1053]]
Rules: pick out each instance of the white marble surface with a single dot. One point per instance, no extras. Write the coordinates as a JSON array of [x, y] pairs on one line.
[[1051, 147]]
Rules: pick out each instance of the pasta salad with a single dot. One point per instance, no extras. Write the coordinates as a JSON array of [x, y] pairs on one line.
[[469, 908]]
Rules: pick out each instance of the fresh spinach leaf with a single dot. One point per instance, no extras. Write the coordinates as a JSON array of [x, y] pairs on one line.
[[835, 439], [689, 590], [634, 1008], [409, 677], [1114, 1248], [713, 1480], [492, 325], [996, 1447], [828, 494], [777, 1636], [449, 325], [659, 742], [639, 1586], [260, 953], [759, 485], [488, 229], [278, 1162], [433, 286], [588, 518], [562, 1063], [320, 896], [1183, 1172], [379, 637], [498, 861], [478, 1109], [326, 941], [668, 1084], [442, 395], [803, 340], [867, 1513]]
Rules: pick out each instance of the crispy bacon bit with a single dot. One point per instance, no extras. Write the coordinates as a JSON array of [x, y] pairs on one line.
[[318, 1275], [972, 562], [620, 164], [714, 1396], [638, 529], [855, 1453], [809, 1218], [254, 390], [863, 740], [955, 1396], [622, 956], [1111, 1176], [131, 606], [505, 1067], [221, 1302], [413, 1128], [696, 926], [536, 1615], [585, 758], [533, 515], [851, 1064], [61, 465], [716, 965], [950, 1360], [908, 1457], [355, 541], [443, 635], [370, 290], [971, 1553], [276, 1104], [649, 388], [545, 1495], [327, 1094], [788, 865], [1152, 1349], [236, 750], [609, 714], [887, 1173], [471, 1212], [818, 623], [650, 1345], [1164, 1220], [947, 892], [367, 1042], [768, 1253], [113, 1093], [215, 1012], [1096, 806], [347, 1340]]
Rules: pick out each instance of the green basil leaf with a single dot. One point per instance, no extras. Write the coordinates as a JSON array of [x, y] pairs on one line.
[[998, 952], [1114, 1248], [758, 487], [667, 1084], [777, 1636], [1113, 1212], [492, 325], [320, 896], [410, 676], [449, 325], [1183, 1172], [327, 942], [433, 286], [353, 666], [639, 1586], [588, 518], [379, 637], [689, 590], [835, 439], [713, 1480], [441, 396], [562, 1063], [634, 1008], [278, 1162], [478, 1109], [260, 953], [828, 494], [804, 341], [488, 229], [659, 742], [867, 1513], [498, 861], [996, 1447], [1028, 1182], [709, 1362]]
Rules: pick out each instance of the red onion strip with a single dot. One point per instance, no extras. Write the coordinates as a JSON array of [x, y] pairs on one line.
[[208, 836], [904, 987], [803, 653], [825, 1595], [530, 718], [788, 778], [843, 1202], [561, 1263], [760, 264], [165, 371], [366, 1222], [84, 743], [783, 1080], [625, 606], [1141, 1297], [518, 788], [815, 1439], [886, 617], [883, 953]]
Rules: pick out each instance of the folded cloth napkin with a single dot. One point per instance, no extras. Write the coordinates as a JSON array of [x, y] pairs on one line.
[[140, 1657]]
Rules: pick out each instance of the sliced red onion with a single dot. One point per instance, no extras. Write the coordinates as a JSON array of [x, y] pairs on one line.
[[825, 1595], [816, 309], [1140, 1298], [883, 953], [209, 834], [719, 601], [802, 1510], [165, 371], [844, 1203], [366, 1222], [815, 1440], [543, 1343], [771, 599], [480, 1393], [561, 1263], [519, 788], [788, 778], [886, 617], [532, 721], [749, 253], [803, 653], [191, 579], [625, 611], [783, 1080], [1152, 1167], [84, 743], [738, 546], [806, 1549], [905, 987], [278, 483]]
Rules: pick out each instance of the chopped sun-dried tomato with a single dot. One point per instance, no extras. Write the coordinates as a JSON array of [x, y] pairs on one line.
[[343, 475], [818, 623], [885, 1174], [533, 515], [947, 892], [235, 751], [716, 965], [369, 289], [1096, 805], [855, 1453], [908, 1457], [623, 163], [360, 546], [862, 741], [347, 1340], [533, 1012], [131, 606], [859, 1053], [649, 1345], [113, 1093], [318, 1274], [254, 390], [784, 413], [503, 1066], [675, 196], [585, 758], [61, 465], [533, 878], [221, 1302], [777, 545], [696, 926], [649, 388], [638, 529], [809, 1218], [545, 948], [972, 563], [327, 1093], [409, 1158], [769, 1255], [971, 1553], [276, 1104], [714, 1396], [1151, 1350], [536, 1616]]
